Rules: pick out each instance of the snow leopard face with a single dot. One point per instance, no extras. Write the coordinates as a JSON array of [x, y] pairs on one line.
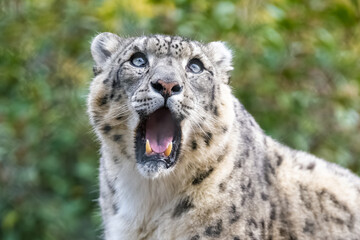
[[150, 94]]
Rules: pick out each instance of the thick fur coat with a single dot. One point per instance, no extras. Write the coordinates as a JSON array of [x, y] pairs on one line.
[[224, 179]]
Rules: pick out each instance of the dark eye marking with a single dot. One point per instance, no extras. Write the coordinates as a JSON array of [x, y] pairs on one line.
[[138, 59], [195, 66]]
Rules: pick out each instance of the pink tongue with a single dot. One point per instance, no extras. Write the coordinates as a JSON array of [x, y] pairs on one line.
[[160, 130]]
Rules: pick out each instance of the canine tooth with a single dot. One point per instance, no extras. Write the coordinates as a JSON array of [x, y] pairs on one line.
[[168, 150], [148, 147]]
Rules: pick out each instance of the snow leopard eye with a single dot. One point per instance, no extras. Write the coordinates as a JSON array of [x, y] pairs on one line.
[[138, 59], [195, 65]]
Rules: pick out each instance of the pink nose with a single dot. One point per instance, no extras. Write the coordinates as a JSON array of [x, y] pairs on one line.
[[166, 88]]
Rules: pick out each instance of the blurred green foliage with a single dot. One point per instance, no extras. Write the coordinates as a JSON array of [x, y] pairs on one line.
[[297, 70]]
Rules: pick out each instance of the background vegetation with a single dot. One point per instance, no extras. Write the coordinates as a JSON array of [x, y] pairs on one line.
[[297, 71]]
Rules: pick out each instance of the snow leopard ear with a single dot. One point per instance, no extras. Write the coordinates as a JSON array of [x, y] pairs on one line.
[[103, 46], [222, 57]]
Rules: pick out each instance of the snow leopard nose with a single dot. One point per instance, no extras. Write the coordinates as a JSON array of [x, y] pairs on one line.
[[166, 89]]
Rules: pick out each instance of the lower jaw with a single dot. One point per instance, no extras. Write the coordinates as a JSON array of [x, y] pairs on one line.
[[152, 169]]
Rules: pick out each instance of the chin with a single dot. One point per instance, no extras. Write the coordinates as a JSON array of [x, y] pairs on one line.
[[157, 143]]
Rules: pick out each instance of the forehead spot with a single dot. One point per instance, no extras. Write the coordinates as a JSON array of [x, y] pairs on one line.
[[160, 46]]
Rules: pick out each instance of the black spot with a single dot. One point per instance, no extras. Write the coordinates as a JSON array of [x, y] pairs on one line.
[[264, 196], [198, 179], [267, 169], [246, 153], [262, 225], [248, 186], [252, 222], [325, 195], [338, 221], [183, 206], [251, 122], [106, 81], [238, 163], [305, 197], [119, 117], [215, 230], [207, 138], [235, 216], [115, 208], [279, 160], [342, 210], [292, 236], [283, 231], [222, 186], [224, 129], [220, 158], [220, 61], [247, 139], [117, 137], [193, 145], [311, 166], [273, 212], [216, 113], [116, 83], [109, 184], [96, 70], [107, 53], [243, 200], [243, 187], [116, 160], [103, 100], [107, 128], [118, 98], [213, 94], [196, 237], [211, 72], [309, 227], [236, 238], [252, 193]]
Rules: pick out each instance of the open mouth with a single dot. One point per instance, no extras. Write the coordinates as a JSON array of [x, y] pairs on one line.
[[158, 139]]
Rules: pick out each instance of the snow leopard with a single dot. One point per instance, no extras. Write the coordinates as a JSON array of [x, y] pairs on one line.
[[181, 158]]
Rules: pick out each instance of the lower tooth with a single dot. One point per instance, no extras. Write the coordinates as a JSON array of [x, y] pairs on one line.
[[168, 150], [148, 147]]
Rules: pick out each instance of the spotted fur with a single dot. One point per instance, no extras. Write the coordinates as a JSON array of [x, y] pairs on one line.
[[231, 181]]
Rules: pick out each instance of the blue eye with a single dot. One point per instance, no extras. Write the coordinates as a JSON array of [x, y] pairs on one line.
[[138, 60], [195, 65]]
